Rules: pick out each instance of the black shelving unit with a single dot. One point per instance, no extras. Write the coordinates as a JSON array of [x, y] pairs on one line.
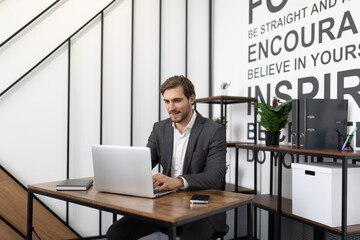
[[280, 206], [224, 101]]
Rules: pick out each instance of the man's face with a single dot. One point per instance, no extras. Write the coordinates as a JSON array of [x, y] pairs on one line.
[[177, 105]]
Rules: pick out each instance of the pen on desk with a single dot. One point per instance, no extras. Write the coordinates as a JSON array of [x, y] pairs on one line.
[[348, 139], [342, 137], [352, 134], [345, 142]]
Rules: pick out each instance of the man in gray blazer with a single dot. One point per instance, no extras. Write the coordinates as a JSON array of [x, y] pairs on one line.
[[191, 150]]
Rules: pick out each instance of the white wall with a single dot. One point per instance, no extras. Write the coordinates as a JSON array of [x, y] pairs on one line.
[[284, 83], [34, 113], [7, 15]]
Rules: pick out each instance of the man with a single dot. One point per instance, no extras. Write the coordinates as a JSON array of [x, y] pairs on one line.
[[191, 149]]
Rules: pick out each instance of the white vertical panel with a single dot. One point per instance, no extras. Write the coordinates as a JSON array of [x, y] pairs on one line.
[[229, 47], [117, 74], [85, 98], [173, 41], [85, 116], [32, 123], [229, 62], [117, 80], [146, 65], [198, 50], [230, 65]]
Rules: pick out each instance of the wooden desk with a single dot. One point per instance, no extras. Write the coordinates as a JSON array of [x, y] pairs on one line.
[[172, 210]]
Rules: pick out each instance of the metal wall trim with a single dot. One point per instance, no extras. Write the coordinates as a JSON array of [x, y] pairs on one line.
[[132, 75], [186, 36], [68, 127], [101, 96], [210, 57], [160, 52]]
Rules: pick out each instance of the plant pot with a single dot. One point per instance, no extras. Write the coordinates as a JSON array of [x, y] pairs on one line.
[[272, 138], [224, 92]]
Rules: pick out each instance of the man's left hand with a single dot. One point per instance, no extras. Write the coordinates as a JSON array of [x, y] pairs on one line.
[[164, 182]]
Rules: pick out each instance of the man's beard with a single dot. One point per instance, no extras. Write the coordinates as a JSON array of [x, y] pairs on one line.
[[183, 115]]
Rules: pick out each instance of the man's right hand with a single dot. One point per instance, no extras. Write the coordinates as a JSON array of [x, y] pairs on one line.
[[164, 182]]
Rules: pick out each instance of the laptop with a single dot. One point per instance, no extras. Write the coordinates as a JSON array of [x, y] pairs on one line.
[[124, 170]]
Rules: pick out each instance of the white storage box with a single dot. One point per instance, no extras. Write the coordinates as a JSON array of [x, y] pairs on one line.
[[316, 192]]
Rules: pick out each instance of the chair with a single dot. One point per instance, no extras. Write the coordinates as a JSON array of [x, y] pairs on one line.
[[216, 235], [221, 235]]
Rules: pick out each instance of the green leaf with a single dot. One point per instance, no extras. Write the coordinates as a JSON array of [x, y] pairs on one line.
[[273, 119]]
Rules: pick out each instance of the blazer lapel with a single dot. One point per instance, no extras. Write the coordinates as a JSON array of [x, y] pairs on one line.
[[194, 134], [168, 148]]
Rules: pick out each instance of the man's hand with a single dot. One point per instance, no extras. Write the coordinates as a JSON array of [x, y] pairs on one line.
[[164, 182]]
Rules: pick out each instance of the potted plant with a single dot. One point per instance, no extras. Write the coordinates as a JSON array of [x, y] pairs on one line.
[[273, 119], [218, 120], [224, 87]]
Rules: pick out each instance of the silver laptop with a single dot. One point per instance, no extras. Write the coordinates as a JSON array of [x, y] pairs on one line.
[[124, 170]]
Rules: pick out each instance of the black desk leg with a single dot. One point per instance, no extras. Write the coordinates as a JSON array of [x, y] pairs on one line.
[[236, 190], [271, 173], [255, 188], [249, 222], [172, 232], [222, 120], [235, 222], [271, 226], [29, 216], [344, 199], [236, 169], [279, 196], [255, 223]]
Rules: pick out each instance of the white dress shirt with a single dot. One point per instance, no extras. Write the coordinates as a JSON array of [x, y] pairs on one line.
[[179, 149]]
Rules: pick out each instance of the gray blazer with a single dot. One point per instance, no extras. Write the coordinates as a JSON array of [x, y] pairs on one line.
[[205, 157]]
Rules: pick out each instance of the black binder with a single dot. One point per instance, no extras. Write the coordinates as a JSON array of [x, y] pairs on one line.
[[317, 122], [302, 122], [74, 184], [294, 124]]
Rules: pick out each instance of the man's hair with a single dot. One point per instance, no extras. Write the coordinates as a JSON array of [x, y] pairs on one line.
[[176, 81]]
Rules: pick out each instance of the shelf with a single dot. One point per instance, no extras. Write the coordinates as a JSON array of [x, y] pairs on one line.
[[231, 188], [234, 144], [269, 202], [331, 153], [225, 100]]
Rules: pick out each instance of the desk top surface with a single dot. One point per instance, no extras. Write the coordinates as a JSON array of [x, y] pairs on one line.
[[173, 207]]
